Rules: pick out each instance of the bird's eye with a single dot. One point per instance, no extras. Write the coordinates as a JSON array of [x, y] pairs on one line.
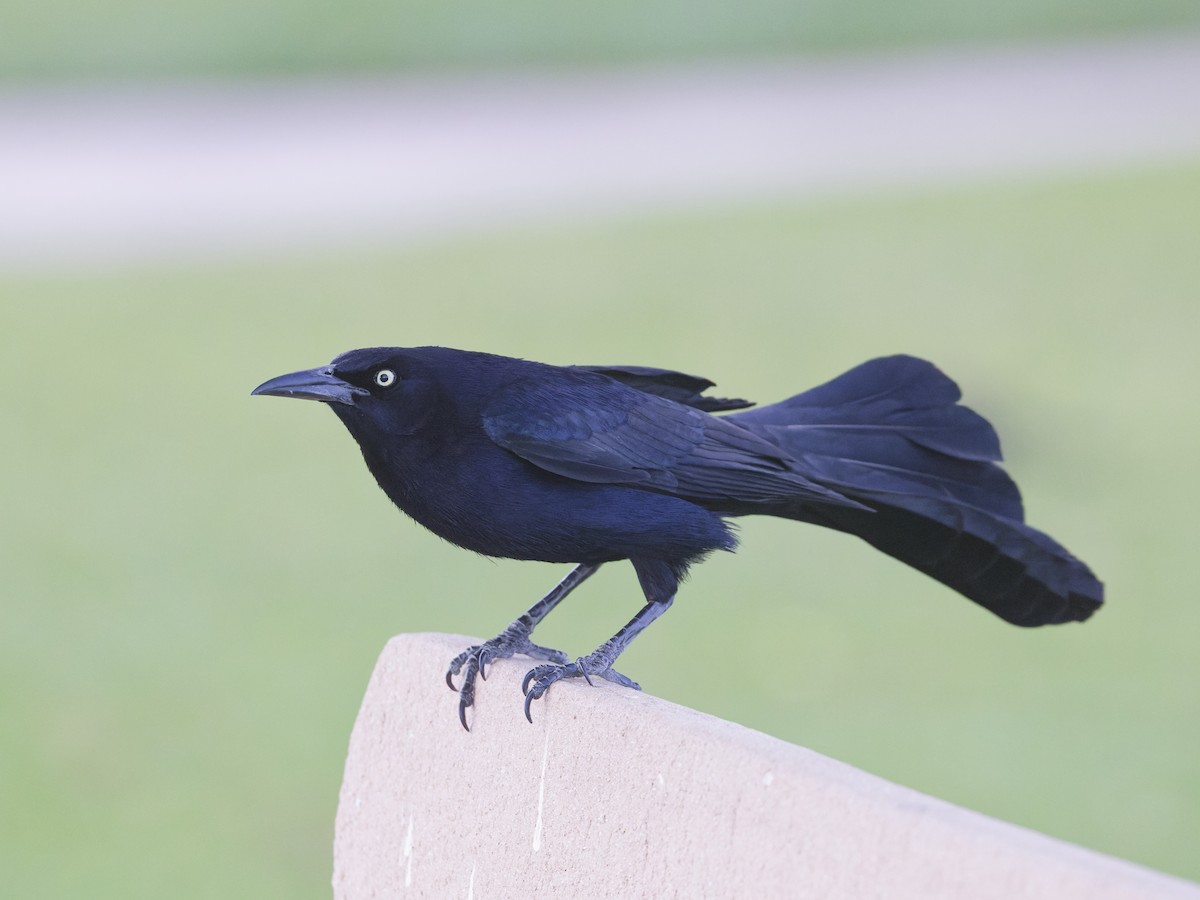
[[385, 378]]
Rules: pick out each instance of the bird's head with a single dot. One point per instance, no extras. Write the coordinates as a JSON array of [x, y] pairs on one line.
[[379, 389]]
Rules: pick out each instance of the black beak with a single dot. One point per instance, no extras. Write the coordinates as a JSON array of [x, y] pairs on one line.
[[311, 384]]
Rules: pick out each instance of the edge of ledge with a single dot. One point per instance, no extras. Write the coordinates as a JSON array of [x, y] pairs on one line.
[[623, 794]]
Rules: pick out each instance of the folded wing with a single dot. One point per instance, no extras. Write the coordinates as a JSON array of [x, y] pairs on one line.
[[588, 427]]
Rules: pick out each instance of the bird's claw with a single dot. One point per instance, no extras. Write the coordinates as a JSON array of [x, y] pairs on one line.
[[473, 662], [538, 679]]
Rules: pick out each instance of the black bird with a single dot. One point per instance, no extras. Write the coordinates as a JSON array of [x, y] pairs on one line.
[[593, 464]]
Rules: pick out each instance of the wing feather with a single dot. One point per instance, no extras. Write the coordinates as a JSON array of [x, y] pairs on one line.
[[588, 427], [677, 386]]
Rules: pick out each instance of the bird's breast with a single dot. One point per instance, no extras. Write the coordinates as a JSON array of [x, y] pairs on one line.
[[492, 502]]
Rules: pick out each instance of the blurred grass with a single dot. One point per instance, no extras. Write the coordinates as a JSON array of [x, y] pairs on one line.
[[197, 583], [139, 38]]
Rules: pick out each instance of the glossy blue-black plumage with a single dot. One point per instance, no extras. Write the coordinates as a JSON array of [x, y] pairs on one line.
[[590, 464], [890, 434]]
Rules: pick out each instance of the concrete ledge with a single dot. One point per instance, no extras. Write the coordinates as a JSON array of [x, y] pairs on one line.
[[616, 794]]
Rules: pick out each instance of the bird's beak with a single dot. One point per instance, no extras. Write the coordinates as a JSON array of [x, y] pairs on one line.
[[311, 384]]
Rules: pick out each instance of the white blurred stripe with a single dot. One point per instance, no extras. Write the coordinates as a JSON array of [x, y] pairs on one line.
[[123, 174]]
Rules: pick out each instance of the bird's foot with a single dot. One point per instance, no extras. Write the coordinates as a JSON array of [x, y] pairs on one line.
[[473, 662], [599, 663]]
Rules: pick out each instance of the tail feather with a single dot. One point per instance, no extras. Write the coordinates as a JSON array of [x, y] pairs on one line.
[[897, 395], [892, 463], [1009, 568], [892, 424], [891, 435]]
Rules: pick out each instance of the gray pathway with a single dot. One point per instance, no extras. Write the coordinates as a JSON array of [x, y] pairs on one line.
[[102, 176]]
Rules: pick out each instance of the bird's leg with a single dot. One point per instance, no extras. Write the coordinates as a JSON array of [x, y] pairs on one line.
[[512, 640], [598, 662]]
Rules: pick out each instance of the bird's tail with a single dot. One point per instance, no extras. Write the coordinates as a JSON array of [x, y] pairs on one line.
[[891, 435]]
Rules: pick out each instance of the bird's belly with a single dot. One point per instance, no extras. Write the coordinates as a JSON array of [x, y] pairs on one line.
[[541, 516]]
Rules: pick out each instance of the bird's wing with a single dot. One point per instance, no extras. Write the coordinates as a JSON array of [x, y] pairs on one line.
[[677, 386], [585, 426]]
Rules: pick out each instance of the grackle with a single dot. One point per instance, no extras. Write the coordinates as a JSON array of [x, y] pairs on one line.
[[593, 464]]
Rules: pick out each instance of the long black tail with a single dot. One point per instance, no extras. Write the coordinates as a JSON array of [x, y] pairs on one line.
[[891, 435]]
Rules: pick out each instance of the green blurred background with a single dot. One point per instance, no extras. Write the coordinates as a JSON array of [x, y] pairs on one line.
[[144, 37], [198, 583]]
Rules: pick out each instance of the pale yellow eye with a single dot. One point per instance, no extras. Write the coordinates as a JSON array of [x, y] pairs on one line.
[[385, 378]]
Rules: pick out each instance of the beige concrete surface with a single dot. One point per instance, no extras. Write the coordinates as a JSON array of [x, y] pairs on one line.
[[611, 793]]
